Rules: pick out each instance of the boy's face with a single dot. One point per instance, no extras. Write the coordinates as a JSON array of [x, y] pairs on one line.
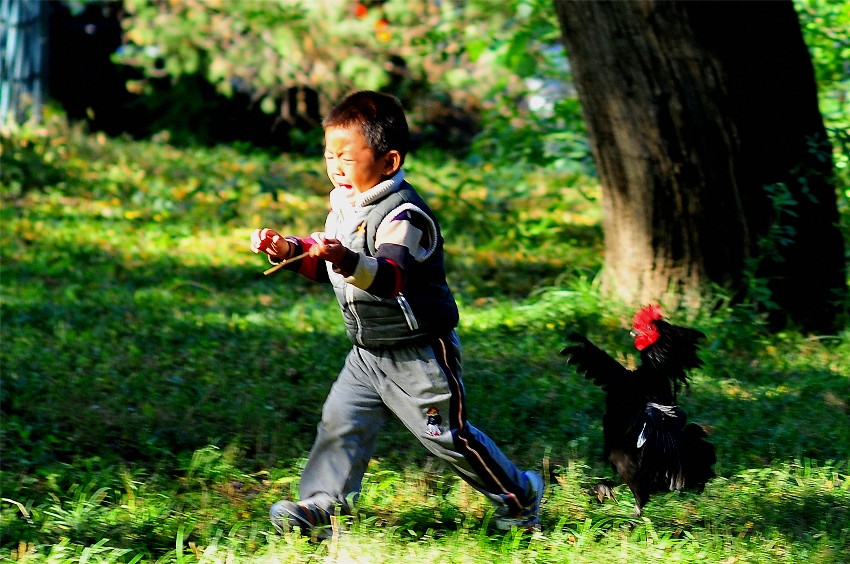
[[351, 163]]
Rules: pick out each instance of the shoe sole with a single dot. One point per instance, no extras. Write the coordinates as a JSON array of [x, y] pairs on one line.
[[293, 518]]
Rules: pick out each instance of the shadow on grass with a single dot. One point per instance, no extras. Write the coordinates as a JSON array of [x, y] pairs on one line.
[[799, 516], [123, 362]]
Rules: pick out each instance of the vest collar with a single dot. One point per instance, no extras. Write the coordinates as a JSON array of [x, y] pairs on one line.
[[341, 199], [380, 190]]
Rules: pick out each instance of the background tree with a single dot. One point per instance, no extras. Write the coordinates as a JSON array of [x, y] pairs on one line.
[[712, 153]]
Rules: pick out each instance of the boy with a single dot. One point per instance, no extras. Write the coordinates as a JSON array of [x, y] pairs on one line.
[[383, 253]]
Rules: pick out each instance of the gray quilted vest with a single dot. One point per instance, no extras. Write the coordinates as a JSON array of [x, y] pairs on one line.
[[424, 309]]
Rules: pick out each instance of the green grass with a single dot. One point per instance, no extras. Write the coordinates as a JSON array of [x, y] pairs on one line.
[[159, 393]]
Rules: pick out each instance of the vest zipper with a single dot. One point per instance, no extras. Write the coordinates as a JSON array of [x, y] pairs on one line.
[[349, 298], [408, 312]]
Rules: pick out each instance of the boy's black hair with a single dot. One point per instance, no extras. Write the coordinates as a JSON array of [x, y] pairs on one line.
[[379, 117]]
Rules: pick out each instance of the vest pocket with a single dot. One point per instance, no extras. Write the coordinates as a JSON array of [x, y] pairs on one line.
[[408, 312]]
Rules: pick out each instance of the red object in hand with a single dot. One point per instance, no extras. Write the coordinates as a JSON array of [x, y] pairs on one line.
[[266, 240]]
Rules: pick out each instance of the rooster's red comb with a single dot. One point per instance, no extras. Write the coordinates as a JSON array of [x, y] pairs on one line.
[[647, 315], [643, 326]]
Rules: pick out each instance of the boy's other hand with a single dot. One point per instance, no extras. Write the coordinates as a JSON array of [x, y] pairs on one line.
[[330, 250], [269, 242]]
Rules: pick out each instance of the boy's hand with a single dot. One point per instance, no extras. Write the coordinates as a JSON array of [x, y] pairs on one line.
[[269, 242], [330, 250]]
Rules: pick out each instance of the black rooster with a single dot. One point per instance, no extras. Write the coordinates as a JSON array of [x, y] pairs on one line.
[[646, 435]]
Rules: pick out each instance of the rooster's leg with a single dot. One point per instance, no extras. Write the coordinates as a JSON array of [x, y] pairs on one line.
[[640, 500], [627, 467]]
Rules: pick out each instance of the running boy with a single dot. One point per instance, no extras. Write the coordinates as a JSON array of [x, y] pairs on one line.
[[382, 251]]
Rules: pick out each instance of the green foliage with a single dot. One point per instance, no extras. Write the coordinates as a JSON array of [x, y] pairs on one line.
[[825, 25], [540, 122], [261, 48], [449, 62], [826, 30], [159, 393], [27, 162]]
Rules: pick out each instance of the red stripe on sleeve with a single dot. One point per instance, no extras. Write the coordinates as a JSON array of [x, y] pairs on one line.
[[400, 276]]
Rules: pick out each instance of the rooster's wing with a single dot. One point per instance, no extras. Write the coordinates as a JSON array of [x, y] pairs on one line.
[[593, 362]]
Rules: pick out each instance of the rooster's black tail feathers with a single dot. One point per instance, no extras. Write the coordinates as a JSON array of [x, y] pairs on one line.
[[673, 454], [698, 458]]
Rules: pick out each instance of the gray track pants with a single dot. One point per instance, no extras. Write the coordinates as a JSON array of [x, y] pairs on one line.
[[422, 386]]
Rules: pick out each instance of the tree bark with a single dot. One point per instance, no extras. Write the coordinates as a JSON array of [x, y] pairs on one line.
[[697, 113]]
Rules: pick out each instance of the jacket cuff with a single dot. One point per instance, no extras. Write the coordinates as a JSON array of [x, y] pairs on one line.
[[294, 249], [348, 264], [364, 271]]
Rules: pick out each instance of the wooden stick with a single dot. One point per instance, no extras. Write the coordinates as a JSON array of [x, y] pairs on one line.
[[281, 264]]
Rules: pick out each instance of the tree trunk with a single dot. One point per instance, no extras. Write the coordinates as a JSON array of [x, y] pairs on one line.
[[697, 113]]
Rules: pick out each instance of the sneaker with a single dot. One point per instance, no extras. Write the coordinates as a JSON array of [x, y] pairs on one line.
[[529, 517], [310, 519]]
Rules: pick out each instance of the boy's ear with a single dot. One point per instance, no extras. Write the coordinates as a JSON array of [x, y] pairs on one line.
[[392, 162]]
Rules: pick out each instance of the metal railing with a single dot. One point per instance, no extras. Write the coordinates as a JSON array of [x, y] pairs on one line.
[[23, 44]]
